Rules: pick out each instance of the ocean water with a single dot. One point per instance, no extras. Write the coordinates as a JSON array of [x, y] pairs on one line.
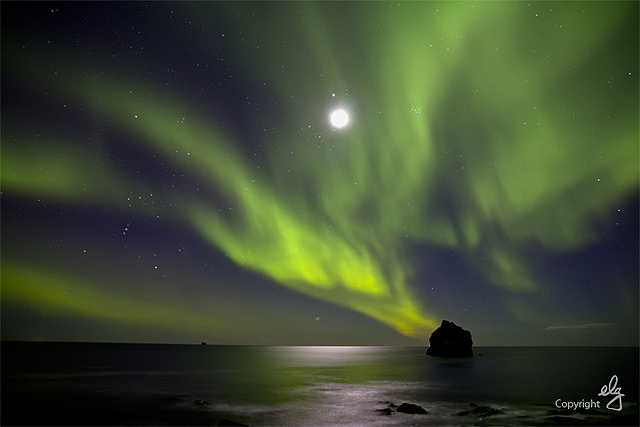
[[148, 384]]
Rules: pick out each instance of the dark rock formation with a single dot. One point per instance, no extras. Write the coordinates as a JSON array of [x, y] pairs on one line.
[[406, 408], [450, 340], [410, 408], [200, 402], [481, 411], [385, 411]]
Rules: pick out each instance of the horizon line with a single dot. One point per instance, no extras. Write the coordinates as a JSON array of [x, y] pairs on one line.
[[206, 344]]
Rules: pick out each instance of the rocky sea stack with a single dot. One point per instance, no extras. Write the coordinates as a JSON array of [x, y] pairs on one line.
[[450, 340]]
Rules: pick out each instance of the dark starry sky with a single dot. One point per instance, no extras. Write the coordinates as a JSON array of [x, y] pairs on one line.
[[170, 172]]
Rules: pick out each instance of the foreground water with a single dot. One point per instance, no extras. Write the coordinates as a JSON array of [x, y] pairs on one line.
[[144, 384]]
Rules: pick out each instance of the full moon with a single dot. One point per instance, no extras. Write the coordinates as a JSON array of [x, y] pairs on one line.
[[339, 118]]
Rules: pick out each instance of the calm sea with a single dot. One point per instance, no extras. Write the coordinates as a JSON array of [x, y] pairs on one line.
[[146, 384]]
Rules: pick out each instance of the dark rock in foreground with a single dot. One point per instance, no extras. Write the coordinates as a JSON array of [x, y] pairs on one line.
[[450, 340], [200, 402], [481, 411], [410, 408], [406, 408], [385, 411]]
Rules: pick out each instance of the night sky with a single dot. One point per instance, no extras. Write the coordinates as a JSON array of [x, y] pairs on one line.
[[170, 172]]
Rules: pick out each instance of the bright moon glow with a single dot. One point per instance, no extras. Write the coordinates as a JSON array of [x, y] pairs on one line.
[[339, 118]]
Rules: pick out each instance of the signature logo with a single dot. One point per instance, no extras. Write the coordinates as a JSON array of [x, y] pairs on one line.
[[612, 389]]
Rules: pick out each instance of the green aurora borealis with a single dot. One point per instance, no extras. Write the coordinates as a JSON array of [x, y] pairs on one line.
[[141, 140]]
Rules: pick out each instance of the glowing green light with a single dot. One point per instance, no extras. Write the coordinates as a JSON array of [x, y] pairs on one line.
[[482, 159], [54, 293]]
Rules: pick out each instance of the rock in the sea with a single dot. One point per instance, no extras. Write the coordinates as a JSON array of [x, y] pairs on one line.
[[385, 411], [481, 411], [410, 408], [450, 340]]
